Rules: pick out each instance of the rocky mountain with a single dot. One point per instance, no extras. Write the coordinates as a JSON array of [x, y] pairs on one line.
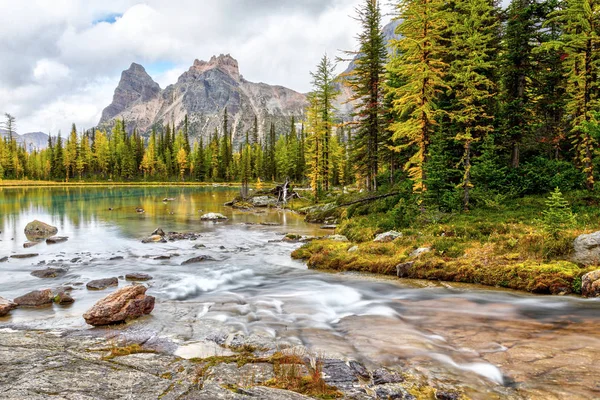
[[31, 140], [202, 93]]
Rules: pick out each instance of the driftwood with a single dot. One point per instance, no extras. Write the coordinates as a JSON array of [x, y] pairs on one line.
[[284, 192]]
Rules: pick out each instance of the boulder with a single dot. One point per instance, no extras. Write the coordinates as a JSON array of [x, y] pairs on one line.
[[125, 304], [590, 284], [337, 238], [155, 239], [419, 252], [36, 298], [387, 237], [353, 249], [6, 306], [63, 297], [49, 273], [587, 249], [213, 217], [331, 227], [402, 270], [56, 239], [159, 232], [136, 276], [101, 284], [198, 259], [263, 201], [4, 259], [39, 230]]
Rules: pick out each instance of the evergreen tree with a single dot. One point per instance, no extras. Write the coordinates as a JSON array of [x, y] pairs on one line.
[[418, 58], [366, 82]]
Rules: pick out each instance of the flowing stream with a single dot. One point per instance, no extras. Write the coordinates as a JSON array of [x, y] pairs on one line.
[[493, 343]]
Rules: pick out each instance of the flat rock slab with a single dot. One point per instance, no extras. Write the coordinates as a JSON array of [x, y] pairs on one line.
[[6, 306], [138, 277], [30, 255], [49, 273], [27, 245], [198, 259], [332, 226], [125, 304], [37, 298], [56, 239], [101, 284]]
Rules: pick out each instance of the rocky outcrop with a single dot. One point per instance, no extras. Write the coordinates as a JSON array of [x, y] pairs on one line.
[[387, 237], [101, 284], [587, 249], [125, 304], [202, 93], [39, 230], [6, 306], [36, 298], [590, 284]]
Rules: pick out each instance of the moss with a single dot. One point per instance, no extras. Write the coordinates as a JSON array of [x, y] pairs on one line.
[[122, 351]]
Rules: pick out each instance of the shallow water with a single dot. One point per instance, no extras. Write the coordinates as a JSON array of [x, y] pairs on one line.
[[495, 343]]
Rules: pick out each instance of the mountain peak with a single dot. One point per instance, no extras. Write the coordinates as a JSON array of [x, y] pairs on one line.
[[223, 62]]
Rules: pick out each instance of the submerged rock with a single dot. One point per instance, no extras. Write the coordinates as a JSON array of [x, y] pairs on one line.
[[136, 276], [36, 298], [213, 217], [30, 255], [387, 237], [125, 304], [49, 273], [590, 284], [101, 284], [62, 297], [56, 239], [587, 249], [6, 306], [198, 259], [39, 230]]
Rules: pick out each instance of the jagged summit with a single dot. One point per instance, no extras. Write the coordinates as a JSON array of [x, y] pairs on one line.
[[202, 93], [225, 63]]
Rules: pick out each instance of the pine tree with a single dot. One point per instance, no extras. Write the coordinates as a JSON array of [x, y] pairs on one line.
[[580, 45], [558, 215], [473, 28], [418, 58], [324, 93], [366, 82]]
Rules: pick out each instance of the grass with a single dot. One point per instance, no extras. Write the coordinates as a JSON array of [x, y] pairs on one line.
[[503, 247]]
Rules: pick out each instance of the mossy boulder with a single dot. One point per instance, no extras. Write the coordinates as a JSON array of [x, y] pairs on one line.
[[39, 230]]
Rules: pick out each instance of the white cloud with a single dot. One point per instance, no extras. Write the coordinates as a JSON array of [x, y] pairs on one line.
[[59, 65]]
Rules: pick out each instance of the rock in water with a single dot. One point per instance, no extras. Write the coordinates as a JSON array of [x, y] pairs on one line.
[[49, 273], [197, 260], [27, 245], [39, 230], [101, 284], [62, 297], [6, 306], [35, 299], [138, 277], [587, 249], [158, 231], [213, 217], [387, 237], [30, 255], [125, 304], [403, 270], [590, 284], [56, 239], [155, 239]]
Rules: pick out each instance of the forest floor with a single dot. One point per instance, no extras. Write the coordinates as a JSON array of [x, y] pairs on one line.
[[501, 245]]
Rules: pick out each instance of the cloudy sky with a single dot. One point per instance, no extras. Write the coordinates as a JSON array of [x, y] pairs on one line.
[[61, 60]]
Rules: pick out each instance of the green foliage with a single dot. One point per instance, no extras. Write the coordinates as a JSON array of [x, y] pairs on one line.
[[558, 215]]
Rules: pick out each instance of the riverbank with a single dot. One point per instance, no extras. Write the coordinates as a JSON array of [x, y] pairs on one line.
[[504, 246], [27, 183]]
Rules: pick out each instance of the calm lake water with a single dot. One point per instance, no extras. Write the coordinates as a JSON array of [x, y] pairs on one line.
[[494, 343]]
